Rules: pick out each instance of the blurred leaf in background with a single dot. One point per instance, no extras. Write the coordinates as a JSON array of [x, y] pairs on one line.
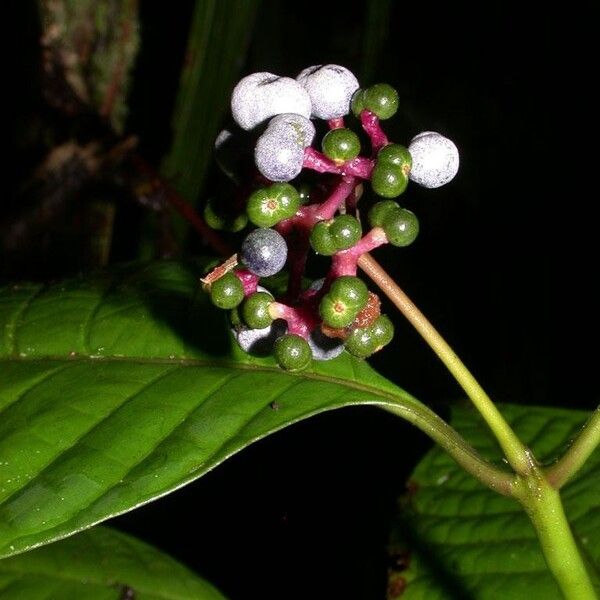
[[217, 44]]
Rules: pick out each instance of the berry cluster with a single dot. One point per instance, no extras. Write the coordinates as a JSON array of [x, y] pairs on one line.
[[275, 114]]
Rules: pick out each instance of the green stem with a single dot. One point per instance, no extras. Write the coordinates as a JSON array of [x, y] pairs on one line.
[[574, 458], [456, 446], [516, 453], [544, 507]]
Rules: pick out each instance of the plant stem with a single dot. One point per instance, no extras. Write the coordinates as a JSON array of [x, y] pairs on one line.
[[574, 458], [516, 453], [455, 445], [544, 507]]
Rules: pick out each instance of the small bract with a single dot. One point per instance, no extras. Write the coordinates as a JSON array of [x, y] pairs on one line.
[[435, 159], [264, 252], [260, 96], [330, 88]]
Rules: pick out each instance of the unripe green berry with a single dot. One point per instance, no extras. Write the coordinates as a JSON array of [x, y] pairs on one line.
[[268, 206], [360, 342], [292, 352], [224, 222], [336, 312], [401, 227], [345, 231], [357, 103], [382, 100], [380, 210], [341, 145], [227, 291], [382, 332], [350, 290], [255, 310], [388, 180], [321, 239], [397, 155], [304, 191]]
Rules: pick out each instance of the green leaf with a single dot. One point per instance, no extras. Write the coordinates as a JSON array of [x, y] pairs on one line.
[[376, 29], [100, 564], [217, 44], [463, 541], [118, 389]]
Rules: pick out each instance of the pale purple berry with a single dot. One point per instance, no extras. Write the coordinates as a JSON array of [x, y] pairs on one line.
[[277, 157], [279, 151], [264, 252], [330, 88], [324, 347], [435, 159], [260, 96], [260, 341]]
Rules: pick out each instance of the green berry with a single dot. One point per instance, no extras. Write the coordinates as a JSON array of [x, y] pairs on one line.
[[220, 222], [401, 227], [350, 290], [388, 180], [336, 312], [227, 291], [382, 332], [255, 310], [304, 192], [341, 145], [321, 239], [268, 206], [358, 102], [396, 154], [360, 342], [292, 352], [345, 231], [382, 100], [364, 341], [380, 210]]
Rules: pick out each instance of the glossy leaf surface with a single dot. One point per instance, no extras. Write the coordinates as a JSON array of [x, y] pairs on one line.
[[100, 564], [118, 389], [460, 540]]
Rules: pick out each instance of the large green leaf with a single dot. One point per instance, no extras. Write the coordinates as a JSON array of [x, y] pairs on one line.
[[121, 388], [100, 564], [464, 541]]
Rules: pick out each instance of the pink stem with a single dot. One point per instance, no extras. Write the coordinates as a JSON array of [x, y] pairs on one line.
[[337, 123], [300, 320], [342, 191], [370, 123], [345, 262], [249, 281], [360, 166]]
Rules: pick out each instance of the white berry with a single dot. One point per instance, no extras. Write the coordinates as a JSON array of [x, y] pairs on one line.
[[435, 159], [260, 96], [279, 151], [295, 126], [330, 88]]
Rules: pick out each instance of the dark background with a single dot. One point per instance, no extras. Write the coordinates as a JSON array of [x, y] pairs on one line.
[[504, 266]]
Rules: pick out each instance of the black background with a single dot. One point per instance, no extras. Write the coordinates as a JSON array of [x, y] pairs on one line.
[[504, 266]]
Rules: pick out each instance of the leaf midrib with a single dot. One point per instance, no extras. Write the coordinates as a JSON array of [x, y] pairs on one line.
[[231, 364]]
